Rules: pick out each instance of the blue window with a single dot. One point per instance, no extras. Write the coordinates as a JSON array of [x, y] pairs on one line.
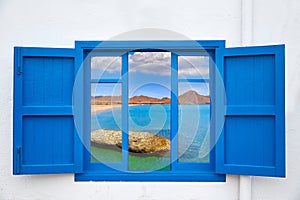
[[149, 111]]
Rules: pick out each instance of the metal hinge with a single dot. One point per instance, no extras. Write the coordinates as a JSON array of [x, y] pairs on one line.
[[18, 61], [19, 71], [19, 158]]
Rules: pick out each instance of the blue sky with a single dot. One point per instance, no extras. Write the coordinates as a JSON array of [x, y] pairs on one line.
[[149, 74], [106, 89], [152, 90]]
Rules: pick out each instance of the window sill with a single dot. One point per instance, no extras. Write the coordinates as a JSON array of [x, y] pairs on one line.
[[151, 177]]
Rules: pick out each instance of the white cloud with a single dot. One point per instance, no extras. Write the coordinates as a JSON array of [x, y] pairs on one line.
[[151, 63], [154, 63], [193, 66], [192, 72], [108, 64]]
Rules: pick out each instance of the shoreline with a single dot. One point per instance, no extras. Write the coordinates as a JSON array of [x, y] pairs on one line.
[[100, 108]]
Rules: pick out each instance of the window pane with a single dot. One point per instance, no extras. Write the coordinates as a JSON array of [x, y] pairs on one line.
[[193, 122], [149, 111], [105, 67], [106, 120], [193, 67]]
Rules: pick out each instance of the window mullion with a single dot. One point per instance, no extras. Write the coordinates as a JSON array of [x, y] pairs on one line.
[[105, 81], [200, 80], [174, 110], [125, 133]]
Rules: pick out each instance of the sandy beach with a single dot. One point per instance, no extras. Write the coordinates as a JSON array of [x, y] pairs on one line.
[[99, 108]]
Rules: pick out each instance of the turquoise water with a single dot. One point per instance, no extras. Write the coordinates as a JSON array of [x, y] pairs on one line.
[[193, 126]]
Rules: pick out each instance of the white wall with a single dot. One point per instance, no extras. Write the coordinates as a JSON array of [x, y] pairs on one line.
[[58, 23]]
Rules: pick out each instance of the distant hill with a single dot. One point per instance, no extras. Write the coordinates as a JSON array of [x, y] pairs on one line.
[[190, 97], [148, 100]]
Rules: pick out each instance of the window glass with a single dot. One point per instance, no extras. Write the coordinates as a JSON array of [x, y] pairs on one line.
[[106, 67], [193, 122], [193, 67], [149, 111], [106, 122]]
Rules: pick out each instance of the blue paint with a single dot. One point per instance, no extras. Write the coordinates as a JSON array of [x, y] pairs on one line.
[[253, 138], [252, 141], [174, 107], [43, 120], [124, 110]]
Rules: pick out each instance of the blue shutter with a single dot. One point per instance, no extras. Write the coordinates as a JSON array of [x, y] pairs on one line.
[[43, 120], [253, 138]]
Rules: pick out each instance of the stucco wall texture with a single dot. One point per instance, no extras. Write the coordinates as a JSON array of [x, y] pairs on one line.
[[59, 23]]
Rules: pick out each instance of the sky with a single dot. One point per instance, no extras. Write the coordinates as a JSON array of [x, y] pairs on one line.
[[149, 74]]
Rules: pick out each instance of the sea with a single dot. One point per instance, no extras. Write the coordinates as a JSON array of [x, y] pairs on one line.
[[193, 124]]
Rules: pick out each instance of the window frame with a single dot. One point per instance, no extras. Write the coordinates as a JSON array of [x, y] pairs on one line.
[[83, 48], [233, 160]]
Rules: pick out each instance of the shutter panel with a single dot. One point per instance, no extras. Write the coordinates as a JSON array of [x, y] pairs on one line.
[[43, 121], [253, 138]]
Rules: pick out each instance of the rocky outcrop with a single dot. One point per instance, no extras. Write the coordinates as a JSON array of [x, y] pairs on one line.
[[138, 142]]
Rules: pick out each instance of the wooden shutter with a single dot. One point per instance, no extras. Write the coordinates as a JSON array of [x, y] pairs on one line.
[[43, 121], [253, 138]]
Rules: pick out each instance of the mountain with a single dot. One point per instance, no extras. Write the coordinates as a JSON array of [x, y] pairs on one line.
[[190, 97], [148, 100]]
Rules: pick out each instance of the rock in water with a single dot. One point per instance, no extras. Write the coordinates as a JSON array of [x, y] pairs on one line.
[[139, 142]]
